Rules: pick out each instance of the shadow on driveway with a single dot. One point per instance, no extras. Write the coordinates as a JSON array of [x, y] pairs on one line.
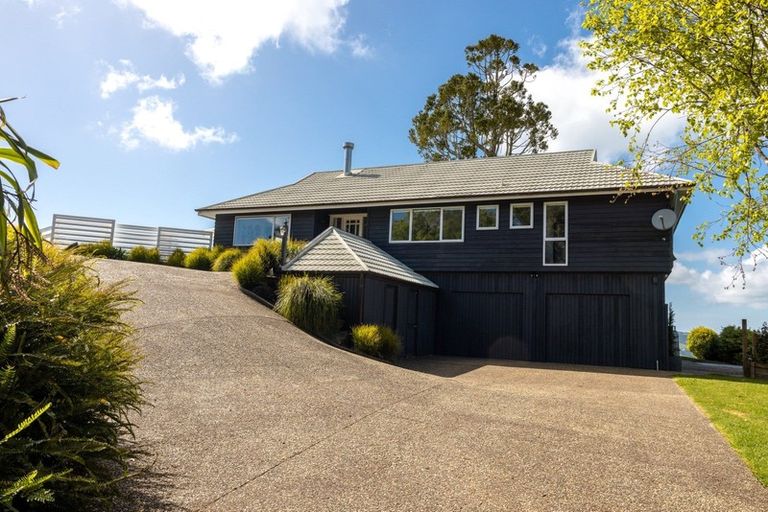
[[450, 366]]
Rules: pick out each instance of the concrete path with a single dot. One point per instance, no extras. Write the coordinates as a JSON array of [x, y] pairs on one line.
[[711, 368], [252, 414]]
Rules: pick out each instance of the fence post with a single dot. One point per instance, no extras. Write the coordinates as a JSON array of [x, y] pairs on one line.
[[745, 348], [53, 230], [112, 233], [753, 355], [159, 236]]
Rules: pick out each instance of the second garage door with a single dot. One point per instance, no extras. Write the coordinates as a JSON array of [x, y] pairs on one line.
[[482, 324], [587, 329]]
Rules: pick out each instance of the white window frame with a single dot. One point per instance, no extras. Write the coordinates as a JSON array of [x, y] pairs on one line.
[[273, 217], [511, 215], [554, 239], [343, 217], [410, 225], [477, 217]]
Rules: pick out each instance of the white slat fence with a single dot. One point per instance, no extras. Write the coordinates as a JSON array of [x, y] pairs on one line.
[[69, 229]]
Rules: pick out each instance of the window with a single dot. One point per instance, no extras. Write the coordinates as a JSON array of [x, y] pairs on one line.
[[556, 233], [249, 229], [521, 216], [488, 216], [427, 224], [355, 223]]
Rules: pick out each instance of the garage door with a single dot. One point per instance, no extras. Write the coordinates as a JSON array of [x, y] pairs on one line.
[[482, 324], [587, 329]]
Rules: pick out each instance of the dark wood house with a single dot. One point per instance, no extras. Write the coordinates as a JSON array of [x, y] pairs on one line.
[[535, 257]]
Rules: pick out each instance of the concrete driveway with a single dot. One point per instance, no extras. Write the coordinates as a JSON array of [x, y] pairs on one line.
[[252, 414]]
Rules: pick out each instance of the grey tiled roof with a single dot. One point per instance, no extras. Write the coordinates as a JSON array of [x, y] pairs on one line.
[[542, 173], [335, 250]]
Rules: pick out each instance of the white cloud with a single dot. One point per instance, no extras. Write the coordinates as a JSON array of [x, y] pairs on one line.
[[359, 47], [222, 36], [566, 87], [538, 47], [64, 13], [125, 76], [725, 285], [153, 121]]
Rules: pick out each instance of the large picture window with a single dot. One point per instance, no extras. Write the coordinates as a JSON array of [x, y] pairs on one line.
[[427, 224], [249, 229], [556, 233]]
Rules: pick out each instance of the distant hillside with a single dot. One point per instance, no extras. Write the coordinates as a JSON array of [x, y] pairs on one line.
[[683, 339]]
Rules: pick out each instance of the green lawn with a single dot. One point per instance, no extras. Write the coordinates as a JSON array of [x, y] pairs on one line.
[[739, 410]]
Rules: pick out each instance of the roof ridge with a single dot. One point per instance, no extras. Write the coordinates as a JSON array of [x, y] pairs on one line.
[[257, 193], [498, 157], [319, 238], [341, 237]]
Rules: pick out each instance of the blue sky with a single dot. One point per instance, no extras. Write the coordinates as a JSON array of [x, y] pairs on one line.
[[156, 108]]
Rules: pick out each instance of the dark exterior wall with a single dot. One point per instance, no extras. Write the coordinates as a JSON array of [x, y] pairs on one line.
[[409, 310], [602, 236], [412, 315], [615, 319], [302, 226]]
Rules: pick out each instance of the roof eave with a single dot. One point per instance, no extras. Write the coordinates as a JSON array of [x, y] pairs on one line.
[[211, 213]]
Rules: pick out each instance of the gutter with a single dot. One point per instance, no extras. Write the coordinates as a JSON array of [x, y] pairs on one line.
[[211, 213]]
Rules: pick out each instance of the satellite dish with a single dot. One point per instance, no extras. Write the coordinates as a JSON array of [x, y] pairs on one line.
[[664, 219]]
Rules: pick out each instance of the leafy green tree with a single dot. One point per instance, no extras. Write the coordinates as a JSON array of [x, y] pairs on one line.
[[705, 61], [702, 342], [729, 345], [485, 112]]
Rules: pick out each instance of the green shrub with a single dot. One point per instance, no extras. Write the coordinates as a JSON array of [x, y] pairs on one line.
[[729, 345], [248, 271], [294, 246], [762, 344], [376, 340], [226, 259], [143, 254], [268, 252], [216, 251], [312, 303], [199, 259], [176, 258], [103, 249], [702, 342], [62, 342]]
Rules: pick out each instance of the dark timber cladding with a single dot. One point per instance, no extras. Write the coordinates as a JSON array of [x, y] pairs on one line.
[[302, 225], [615, 319], [604, 234]]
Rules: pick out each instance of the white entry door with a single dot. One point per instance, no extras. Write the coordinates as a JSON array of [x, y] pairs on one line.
[[351, 223]]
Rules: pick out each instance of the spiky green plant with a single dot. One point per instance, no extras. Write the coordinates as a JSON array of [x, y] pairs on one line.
[[103, 249], [312, 303], [20, 238], [248, 271], [199, 259], [376, 340], [176, 258], [143, 254], [63, 343], [226, 259]]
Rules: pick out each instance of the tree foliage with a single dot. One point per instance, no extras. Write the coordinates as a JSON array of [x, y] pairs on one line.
[[705, 61], [485, 112]]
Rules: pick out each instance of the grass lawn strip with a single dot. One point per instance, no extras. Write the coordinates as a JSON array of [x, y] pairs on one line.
[[739, 410]]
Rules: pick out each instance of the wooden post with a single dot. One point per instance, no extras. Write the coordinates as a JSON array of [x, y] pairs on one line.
[[753, 355], [745, 348]]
